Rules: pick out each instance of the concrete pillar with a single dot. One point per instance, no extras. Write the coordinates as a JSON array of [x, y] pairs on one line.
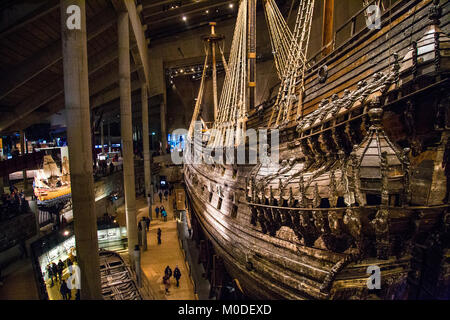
[[23, 152], [145, 140], [163, 126], [76, 91], [136, 257], [102, 137], [144, 235], [127, 132], [109, 136], [2, 185]]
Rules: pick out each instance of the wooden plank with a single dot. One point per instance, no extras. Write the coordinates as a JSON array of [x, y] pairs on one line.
[[33, 16], [139, 36]]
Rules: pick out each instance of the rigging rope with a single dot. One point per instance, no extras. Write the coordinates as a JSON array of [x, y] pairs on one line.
[[291, 58], [232, 111], [198, 103]]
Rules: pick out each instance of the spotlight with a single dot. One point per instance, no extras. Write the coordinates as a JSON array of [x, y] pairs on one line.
[[207, 11], [231, 5], [181, 70], [184, 18], [66, 233]]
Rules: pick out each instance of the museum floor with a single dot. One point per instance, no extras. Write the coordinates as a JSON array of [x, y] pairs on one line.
[[19, 282], [157, 257]]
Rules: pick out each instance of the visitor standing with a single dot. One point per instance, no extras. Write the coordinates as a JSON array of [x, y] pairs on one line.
[[60, 269], [55, 271], [177, 275], [164, 214], [166, 284], [160, 196], [64, 290], [159, 235], [50, 273], [166, 194], [168, 272], [157, 212]]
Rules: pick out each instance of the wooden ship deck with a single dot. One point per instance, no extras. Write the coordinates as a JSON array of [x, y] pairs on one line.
[[363, 177]]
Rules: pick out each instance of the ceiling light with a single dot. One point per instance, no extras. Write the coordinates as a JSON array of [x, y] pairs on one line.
[[207, 11], [184, 18], [231, 5]]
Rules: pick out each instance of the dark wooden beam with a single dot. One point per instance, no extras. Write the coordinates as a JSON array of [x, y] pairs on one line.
[[42, 97], [36, 14], [27, 70], [186, 13]]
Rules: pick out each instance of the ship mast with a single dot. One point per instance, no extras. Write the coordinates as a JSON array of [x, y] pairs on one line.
[[213, 39], [251, 53]]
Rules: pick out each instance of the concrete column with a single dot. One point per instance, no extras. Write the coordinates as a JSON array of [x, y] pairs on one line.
[[102, 137], [145, 140], [76, 91], [127, 132], [163, 126], [2, 185], [109, 136], [23, 152]]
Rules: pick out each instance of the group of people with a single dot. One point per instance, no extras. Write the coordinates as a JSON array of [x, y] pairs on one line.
[[147, 223], [56, 270], [166, 195], [101, 168], [163, 212], [168, 275], [13, 204]]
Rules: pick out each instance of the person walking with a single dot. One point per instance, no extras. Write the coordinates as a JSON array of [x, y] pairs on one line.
[[166, 194], [157, 212], [60, 269], [159, 235], [55, 271], [166, 282], [168, 272], [140, 234], [147, 222], [177, 275], [164, 214], [160, 196], [64, 290], [50, 274]]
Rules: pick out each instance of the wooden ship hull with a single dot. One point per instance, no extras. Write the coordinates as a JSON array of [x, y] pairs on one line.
[[362, 179]]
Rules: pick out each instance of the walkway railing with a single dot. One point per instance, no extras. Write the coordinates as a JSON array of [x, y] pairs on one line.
[[187, 256]]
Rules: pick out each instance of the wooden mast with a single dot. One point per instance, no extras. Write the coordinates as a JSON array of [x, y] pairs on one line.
[[213, 39], [252, 52], [214, 69], [251, 56], [327, 26]]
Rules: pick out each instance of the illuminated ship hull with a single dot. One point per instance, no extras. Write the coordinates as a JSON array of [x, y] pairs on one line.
[[377, 204], [51, 187], [49, 197]]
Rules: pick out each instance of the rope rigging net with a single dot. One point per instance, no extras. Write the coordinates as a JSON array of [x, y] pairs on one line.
[[290, 55], [232, 110]]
